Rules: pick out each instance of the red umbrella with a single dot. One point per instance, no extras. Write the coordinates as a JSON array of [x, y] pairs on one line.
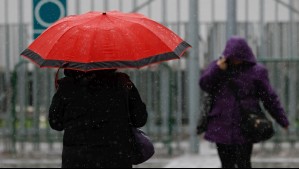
[[109, 40]]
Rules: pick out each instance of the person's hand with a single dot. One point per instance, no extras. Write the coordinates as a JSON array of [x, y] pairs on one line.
[[222, 63], [286, 129]]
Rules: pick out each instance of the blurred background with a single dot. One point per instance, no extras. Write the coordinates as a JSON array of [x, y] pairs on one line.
[[170, 90]]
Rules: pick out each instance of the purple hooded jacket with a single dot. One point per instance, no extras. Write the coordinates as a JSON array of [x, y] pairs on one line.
[[251, 83]]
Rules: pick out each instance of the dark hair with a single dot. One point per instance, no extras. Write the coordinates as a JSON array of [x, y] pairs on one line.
[[98, 78], [80, 74]]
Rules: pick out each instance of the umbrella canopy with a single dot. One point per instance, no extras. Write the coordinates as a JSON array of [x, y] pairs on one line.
[[109, 40]]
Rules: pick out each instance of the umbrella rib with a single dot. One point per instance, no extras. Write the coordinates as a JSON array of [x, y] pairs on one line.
[[131, 34], [71, 28], [138, 62], [136, 23]]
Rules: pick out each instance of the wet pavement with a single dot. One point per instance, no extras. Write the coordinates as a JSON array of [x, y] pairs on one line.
[[286, 157]]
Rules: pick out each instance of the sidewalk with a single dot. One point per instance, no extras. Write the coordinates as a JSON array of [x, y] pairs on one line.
[[208, 158], [287, 157]]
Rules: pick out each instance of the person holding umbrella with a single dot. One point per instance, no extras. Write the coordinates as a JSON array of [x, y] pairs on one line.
[[94, 105], [237, 83], [91, 108]]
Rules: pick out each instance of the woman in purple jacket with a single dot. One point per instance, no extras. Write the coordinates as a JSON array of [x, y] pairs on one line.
[[237, 73]]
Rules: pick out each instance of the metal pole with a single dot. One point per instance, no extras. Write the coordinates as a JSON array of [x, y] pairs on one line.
[[231, 28], [247, 19], [214, 35], [290, 7], [169, 80], [170, 111], [291, 31], [121, 5], [149, 91], [142, 6], [193, 74], [157, 103], [213, 10], [7, 48], [106, 5], [49, 85], [277, 33], [179, 116], [134, 4], [262, 36], [13, 113], [21, 76], [164, 78], [164, 13], [262, 27], [78, 7], [36, 104], [93, 5], [178, 16], [8, 93], [292, 77], [150, 10]]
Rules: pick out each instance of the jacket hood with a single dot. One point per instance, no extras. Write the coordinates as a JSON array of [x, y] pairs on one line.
[[238, 48]]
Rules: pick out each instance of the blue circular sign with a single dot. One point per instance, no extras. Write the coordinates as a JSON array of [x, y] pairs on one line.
[[48, 11]]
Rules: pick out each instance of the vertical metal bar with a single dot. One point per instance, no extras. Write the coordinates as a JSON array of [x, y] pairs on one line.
[[262, 29], [213, 10], [106, 5], [214, 36], [21, 77], [178, 16], [167, 116], [193, 74], [247, 19], [150, 10], [179, 116], [231, 18], [276, 33], [280, 78], [292, 76], [93, 5], [157, 103], [7, 77], [49, 85], [7, 45], [150, 101], [164, 12], [21, 27], [13, 118], [164, 93], [170, 111], [121, 5], [296, 55], [78, 4], [134, 4], [36, 104], [28, 95], [293, 32]]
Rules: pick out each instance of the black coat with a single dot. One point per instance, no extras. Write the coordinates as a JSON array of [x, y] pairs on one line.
[[94, 114]]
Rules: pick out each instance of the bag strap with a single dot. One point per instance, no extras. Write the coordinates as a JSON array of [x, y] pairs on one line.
[[57, 74], [127, 86]]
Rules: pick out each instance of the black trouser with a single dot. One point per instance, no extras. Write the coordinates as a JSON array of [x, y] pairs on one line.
[[235, 156]]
